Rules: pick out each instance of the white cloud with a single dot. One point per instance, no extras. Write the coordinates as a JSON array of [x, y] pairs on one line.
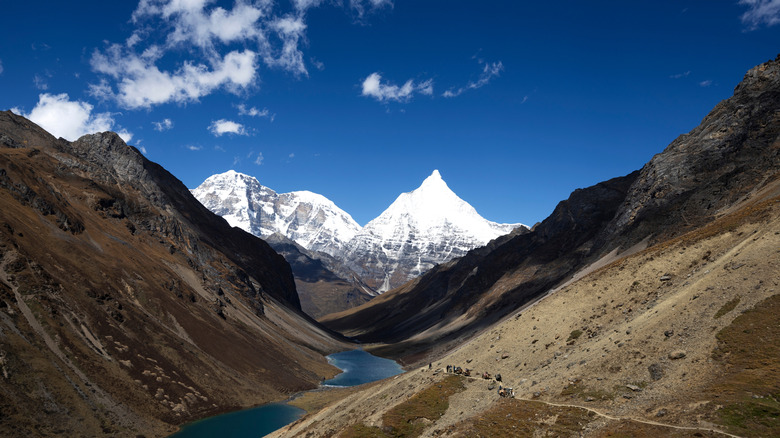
[[182, 50], [291, 155], [290, 31], [252, 112], [142, 84], [489, 71], [163, 125], [259, 159], [760, 12], [373, 87], [69, 119], [303, 5], [1, 66], [222, 126], [705, 84], [194, 148]]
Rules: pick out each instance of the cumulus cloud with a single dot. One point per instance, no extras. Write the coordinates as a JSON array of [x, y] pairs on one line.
[[141, 84], [760, 12], [182, 50], [384, 92], [69, 119], [490, 70], [163, 125], [222, 126]]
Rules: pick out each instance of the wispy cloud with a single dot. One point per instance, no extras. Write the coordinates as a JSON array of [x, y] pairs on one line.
[[705, 84], [69, 119], [40, 81], [361, 8], [489, 71], [222, 126], [1, 66], [194, 148], [372, 86], [760, 13], [254, 112], [680, 75], [163, 125], [259, 158]]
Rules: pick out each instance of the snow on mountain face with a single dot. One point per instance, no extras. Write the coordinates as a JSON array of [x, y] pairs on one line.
[[311, 220], [422, 228]]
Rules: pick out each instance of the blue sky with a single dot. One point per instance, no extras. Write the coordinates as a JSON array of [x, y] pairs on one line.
[[517, 103]]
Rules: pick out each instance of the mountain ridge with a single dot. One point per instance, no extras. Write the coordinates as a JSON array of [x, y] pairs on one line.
[[126, 307]]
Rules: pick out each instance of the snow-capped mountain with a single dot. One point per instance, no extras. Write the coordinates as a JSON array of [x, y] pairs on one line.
[[309, 219], [422, 228]]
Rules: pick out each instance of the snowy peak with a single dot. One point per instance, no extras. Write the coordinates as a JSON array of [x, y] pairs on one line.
[[434, 206], [421, 228], [309, 219]]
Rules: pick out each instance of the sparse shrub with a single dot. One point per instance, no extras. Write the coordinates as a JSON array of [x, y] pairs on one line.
[[574, 335]]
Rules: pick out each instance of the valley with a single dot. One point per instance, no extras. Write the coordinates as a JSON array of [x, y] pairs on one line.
[[642, 305]]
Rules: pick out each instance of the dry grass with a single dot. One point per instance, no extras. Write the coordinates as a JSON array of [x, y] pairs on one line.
[[749, 350], [410, 418], [515, 418]]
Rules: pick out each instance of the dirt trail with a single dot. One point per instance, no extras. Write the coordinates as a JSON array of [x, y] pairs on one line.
[[638, 420]]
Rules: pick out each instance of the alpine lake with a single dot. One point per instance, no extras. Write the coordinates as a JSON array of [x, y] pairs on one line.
[[358, 367]]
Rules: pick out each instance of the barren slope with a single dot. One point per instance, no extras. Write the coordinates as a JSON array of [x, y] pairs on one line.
[[125, 306], [683, 334]]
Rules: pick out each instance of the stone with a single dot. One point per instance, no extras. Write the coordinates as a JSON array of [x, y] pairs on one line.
[[656, 372], [677, 354]]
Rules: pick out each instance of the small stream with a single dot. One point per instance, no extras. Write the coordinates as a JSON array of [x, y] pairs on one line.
[[358, 367]]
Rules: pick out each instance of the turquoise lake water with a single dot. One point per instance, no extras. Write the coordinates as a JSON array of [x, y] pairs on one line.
[[254, 422], [359, 367]]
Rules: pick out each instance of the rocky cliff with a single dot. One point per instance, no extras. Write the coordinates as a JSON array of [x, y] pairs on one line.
[[126, 307]]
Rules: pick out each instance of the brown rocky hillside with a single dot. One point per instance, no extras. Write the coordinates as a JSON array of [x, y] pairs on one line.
[[126, 307]]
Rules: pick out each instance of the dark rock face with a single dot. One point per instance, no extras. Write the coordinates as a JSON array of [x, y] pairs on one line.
[[733, 150], [320, 289], [113, 162], [732, 154]]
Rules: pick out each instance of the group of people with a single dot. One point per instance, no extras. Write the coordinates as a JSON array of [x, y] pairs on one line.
[[502, 391], [458, 370]]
